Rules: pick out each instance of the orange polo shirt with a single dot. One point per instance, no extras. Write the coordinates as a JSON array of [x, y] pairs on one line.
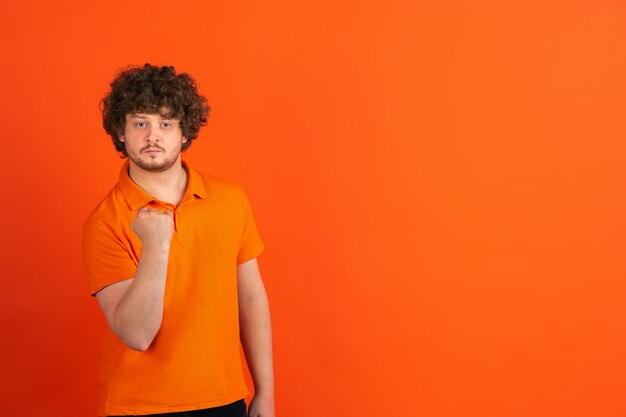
[[194, 361]]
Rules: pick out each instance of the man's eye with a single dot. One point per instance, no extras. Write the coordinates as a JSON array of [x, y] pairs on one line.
[[140, 124], [167, 125]]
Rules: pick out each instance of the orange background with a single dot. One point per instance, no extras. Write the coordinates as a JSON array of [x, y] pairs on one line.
[[439, 184]]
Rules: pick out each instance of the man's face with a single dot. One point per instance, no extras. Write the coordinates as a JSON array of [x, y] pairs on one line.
[[153, 143]]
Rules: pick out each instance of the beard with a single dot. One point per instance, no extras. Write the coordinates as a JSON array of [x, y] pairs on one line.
[[147, 163]]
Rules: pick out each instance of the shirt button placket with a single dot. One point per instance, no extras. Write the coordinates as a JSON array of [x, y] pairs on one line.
[[175, 213]]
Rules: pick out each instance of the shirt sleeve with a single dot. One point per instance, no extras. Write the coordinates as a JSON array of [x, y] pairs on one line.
[[251, 244], [105, 259]]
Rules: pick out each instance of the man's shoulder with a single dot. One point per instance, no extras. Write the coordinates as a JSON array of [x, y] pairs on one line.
[[107, 206], [216, 185]]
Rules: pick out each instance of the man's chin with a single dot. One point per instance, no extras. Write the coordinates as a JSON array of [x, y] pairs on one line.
[[153, 166]]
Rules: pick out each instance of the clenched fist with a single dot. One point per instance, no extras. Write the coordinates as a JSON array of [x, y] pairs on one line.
[[154, 227]]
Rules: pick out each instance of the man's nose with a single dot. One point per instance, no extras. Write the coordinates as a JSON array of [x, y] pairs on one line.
[[154, 133]]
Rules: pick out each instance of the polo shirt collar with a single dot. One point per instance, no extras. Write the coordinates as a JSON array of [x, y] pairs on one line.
[[195, 185], [136, 197]]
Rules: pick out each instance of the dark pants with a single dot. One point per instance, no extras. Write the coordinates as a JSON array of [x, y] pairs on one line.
[[236, 409]]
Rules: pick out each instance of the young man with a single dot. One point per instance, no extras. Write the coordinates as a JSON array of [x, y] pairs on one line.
[[170, 255]]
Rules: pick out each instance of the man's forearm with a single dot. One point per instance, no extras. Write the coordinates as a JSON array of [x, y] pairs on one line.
[[256, 337], [139, 314]]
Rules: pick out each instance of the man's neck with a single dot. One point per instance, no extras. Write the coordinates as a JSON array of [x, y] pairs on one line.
[[168, 186]]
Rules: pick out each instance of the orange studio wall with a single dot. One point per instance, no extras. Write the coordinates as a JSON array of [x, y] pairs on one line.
[[439, 185]]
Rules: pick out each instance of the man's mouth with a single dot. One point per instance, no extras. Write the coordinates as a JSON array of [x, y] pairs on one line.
[[153, 150]]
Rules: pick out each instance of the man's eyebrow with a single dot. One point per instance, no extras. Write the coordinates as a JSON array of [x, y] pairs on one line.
[[143, 116]]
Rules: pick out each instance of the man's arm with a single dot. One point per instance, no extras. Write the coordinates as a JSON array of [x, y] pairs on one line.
[[256, 337], [134, 308]]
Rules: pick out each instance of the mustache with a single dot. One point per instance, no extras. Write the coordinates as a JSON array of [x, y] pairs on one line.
[[150, 147]]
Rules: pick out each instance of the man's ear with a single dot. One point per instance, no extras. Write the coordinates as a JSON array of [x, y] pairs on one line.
[[121, 138], [184, 139]]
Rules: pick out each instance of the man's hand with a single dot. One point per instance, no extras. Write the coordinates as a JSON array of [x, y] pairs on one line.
[[262, 405], [154, 227]]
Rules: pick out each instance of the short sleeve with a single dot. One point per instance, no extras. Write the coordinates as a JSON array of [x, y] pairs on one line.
[[105, 259], [251, 244]]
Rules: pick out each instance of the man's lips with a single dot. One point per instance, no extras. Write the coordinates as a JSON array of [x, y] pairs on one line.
[[153, 150]]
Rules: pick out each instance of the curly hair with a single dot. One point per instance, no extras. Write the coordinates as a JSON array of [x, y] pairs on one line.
[[150, 89]]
